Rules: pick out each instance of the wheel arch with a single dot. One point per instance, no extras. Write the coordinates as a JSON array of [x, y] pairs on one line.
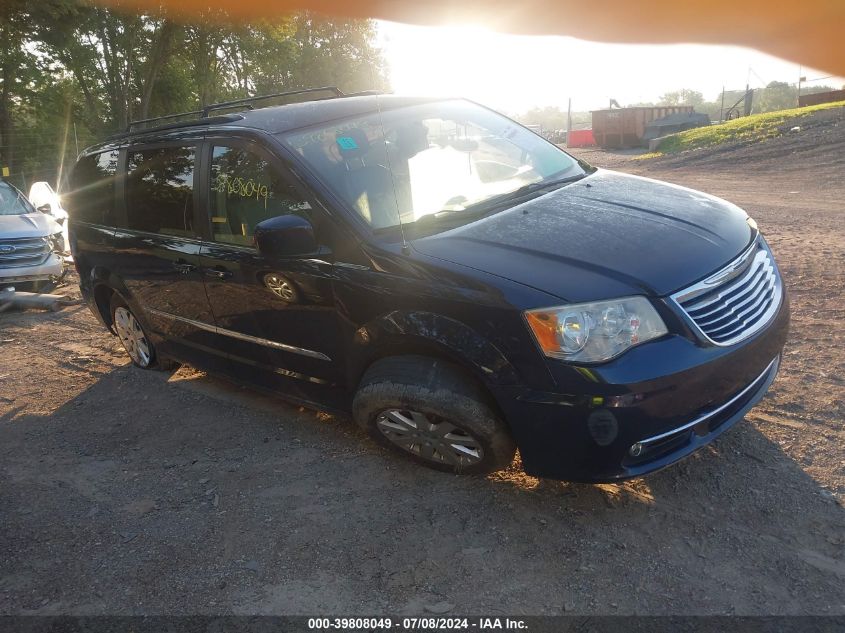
[[430, 335], [102, 299], [401, 333], [105, 285]]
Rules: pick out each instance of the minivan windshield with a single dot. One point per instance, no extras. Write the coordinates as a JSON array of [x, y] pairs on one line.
[[440, 158], [13, 202]]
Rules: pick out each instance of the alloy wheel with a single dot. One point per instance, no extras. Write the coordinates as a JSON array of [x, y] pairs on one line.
[[432, 438], [132, 336], [280, 287]]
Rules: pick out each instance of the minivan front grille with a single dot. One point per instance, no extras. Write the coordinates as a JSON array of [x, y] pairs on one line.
[[23, 251], [737, 301]]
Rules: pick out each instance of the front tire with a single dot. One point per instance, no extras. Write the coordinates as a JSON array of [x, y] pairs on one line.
[[428, 410]]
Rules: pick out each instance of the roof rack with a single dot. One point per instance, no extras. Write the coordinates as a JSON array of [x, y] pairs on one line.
[[138, 127], [200, 117]]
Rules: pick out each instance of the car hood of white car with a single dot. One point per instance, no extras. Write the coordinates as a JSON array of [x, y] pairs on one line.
[[28, 225]]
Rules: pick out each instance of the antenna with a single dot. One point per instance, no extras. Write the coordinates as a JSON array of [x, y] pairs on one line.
[[405, 247]]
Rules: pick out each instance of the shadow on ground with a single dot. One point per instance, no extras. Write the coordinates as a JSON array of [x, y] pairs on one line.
[[148, 493]]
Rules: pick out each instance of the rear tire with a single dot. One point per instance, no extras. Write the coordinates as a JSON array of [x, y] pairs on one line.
[[134, 339], [429, 410]]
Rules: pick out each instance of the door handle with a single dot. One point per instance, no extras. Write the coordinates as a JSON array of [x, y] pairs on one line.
[[183, 267], [217, 273]]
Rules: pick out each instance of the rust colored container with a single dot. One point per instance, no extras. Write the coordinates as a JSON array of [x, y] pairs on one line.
[[625, 127]]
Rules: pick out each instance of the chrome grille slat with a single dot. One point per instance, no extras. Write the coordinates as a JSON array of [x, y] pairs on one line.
[[737, 301], [23, 240], [707, 298], [759, 297], [27, 247], [716, 323], [735, 310], [4, 257], [736, 286], [727, 309], [744, 284], [35, 261], [759, 310], [28, 251], [763, 294]]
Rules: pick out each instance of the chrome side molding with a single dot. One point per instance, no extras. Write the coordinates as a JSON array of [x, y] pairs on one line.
[[241, 336]]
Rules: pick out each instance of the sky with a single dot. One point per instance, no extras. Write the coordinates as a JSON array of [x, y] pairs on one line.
[[514, 73]]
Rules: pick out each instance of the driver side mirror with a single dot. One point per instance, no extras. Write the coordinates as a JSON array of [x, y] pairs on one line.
[[285, 236]]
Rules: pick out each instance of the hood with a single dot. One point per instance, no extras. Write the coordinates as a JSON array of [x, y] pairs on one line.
[[28, 225], [608, 235]]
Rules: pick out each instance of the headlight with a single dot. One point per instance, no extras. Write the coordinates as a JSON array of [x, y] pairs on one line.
[[594, 332], [57, 242]]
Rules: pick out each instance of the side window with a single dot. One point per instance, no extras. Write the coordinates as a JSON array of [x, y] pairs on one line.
[[160, 190], [246, 189], [92, 184]]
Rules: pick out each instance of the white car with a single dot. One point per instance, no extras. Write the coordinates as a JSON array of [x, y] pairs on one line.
[[32, 242], [43, 198]]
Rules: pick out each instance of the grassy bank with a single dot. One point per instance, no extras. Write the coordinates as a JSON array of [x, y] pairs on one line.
[[754, 128]]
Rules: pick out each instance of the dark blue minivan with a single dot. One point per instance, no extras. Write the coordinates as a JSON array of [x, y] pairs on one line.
[[460, 285]]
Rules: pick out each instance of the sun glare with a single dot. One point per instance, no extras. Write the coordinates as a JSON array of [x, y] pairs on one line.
[[516, 72]]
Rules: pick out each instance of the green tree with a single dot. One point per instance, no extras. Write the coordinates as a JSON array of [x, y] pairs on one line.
[[20, 73], [777, 95], [684, 96], [553, 118], [204, 39], [76, 66]]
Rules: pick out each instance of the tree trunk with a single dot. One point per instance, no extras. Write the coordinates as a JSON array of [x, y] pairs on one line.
[[206, 63], [159, 57], [11, 42], [6, 140]]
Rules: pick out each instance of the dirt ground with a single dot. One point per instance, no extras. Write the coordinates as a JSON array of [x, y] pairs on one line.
[[132, 492]]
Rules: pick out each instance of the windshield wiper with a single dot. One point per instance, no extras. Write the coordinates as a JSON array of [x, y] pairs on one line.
[[439, 215], [533, 187], [478, 209]]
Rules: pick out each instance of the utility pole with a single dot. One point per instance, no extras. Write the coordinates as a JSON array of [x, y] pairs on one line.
[[800, 79], [722, 109], [75, 139], [747, 108], [568, 120]]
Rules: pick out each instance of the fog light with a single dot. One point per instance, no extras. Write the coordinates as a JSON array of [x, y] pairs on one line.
[[636, 450], [603, 427]]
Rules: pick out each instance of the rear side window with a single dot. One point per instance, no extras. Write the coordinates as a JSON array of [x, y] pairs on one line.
[[92, 183], [246, 189], [160, 190]]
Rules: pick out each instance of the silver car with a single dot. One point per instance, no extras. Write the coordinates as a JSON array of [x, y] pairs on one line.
[[31, 242]]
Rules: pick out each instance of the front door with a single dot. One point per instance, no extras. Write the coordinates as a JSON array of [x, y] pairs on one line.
[[276, 319]]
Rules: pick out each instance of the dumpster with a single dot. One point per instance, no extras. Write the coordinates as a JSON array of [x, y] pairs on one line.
[[625, 127]]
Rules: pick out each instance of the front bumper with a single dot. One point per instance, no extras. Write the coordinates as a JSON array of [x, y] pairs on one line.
[[51, 267], [671, 397]]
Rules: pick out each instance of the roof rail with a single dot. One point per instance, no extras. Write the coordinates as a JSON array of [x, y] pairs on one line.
[[141, 124], [132, 129], [195, 117], [249, 101]]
